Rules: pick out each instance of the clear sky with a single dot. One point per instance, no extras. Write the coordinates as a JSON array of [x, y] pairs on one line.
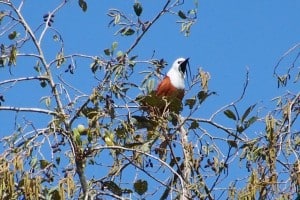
[[229, 37]]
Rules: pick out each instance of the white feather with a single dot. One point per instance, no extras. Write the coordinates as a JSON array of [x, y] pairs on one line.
[[176, 76]]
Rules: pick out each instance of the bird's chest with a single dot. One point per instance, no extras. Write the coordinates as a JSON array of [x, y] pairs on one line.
[[177, 82]]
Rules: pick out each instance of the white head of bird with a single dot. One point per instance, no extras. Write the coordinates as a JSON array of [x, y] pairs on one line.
[[177, 72]]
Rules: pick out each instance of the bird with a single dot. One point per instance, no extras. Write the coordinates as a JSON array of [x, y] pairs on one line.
[[172, 85], [169, 92]]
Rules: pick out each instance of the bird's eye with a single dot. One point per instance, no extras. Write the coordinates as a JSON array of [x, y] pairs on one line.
[[179, 62]]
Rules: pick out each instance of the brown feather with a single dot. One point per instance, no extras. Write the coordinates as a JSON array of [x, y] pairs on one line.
[[165, 88]]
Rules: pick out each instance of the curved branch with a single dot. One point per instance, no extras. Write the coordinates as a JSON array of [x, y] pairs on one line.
[[219, 126], [147, 154], [283, 56], [73, 55]]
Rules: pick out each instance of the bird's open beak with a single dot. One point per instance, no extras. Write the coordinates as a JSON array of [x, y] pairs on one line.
[[184, 64]]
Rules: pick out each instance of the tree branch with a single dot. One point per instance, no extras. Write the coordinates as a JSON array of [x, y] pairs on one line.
[[24, 79], [147, 154], [42, 58], [283, 56], [148, 26], [36, 110]]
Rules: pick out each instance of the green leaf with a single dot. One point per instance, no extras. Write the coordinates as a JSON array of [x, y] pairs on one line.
[[247, 112], [113, 187], [77, 136], [230, 114], [2, 99], [55, 37], [138, 9], [144, 122], [250, 121], [146, 147], [90, 112], [133, 57], [175, 104], [55, 194], [107, 52], [37, 67], [181, 14], [240, 128], [48, 101], [109, 138], [232, 143], [120, 54], [127, 31], [43, 83], [194, 125], [140, 186], [33, 162], [150, 85], [57, 160], [190, 102], [82, 5], [95, 65], [2, 62], [60, 59], [13, 56], [114, 46], [202, 95], [44, 164]]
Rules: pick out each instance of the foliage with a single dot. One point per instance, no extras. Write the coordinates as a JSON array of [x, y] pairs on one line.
[[119, 140]]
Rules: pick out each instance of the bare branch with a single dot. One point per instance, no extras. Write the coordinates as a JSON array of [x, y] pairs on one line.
[[24, 79], [35, 110]]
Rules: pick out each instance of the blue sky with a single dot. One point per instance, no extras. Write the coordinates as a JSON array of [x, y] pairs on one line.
[[229, 37]]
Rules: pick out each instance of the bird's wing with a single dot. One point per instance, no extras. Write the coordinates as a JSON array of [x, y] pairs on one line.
[[165, 87]]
